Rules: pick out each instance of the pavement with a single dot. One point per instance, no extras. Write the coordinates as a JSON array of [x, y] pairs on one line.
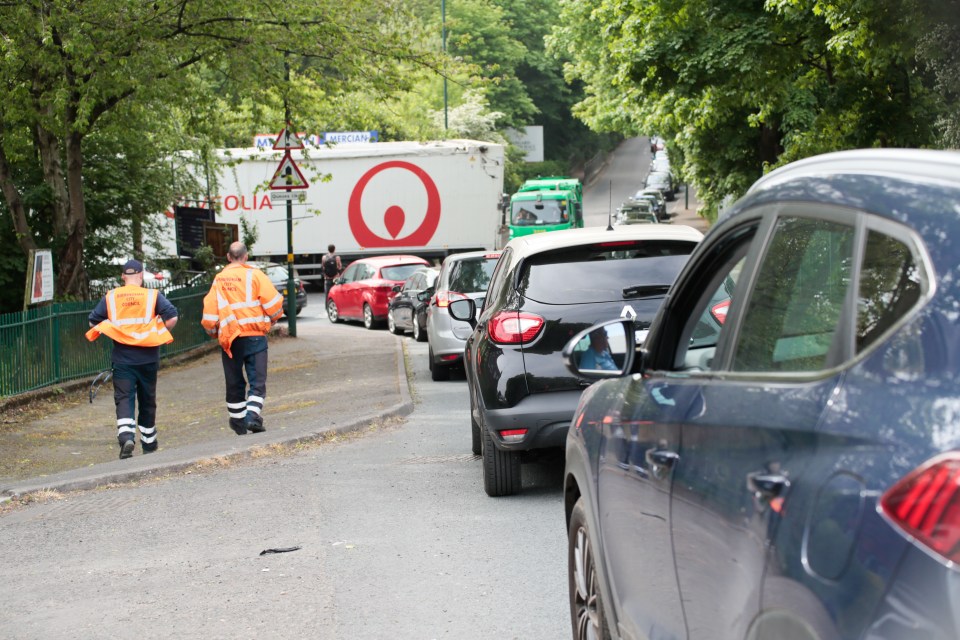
[[330, 379]]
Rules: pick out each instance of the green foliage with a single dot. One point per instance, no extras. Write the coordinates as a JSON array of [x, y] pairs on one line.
[[740, 87], [249, 233]]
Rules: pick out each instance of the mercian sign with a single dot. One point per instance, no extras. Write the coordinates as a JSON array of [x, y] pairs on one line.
[[265, 141]]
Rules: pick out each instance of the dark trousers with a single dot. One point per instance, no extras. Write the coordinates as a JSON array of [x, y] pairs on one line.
[[245, 395], [327, 285], [135, 387]]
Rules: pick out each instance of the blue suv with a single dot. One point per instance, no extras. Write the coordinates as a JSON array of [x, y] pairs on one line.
[[781, 457]]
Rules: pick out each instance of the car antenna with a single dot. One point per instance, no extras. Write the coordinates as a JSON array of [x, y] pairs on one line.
[[610, 209]]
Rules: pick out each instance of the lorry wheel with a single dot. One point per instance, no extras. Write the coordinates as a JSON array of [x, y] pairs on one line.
[[332, 313], [501, 469], [368, 320]]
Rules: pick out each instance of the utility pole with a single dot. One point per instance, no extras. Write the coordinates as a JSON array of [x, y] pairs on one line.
[[291, 291], [443, 34]]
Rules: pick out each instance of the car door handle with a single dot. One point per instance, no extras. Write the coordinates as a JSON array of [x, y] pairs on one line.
[[661, 457], [767, 485]]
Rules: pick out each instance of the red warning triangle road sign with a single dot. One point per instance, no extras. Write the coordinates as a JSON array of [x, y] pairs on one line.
[[288, 175], [287, 140]]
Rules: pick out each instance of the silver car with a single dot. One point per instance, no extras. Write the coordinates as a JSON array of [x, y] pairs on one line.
[[462, 275]]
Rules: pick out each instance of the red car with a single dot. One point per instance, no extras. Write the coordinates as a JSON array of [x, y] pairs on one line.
[[365, 289]]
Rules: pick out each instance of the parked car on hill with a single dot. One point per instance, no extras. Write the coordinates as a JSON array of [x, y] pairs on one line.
[[639, 211], [663, 181], [781, 457], [407, 310], [365, 289], [462, 275], [547, 287], [277, 273]]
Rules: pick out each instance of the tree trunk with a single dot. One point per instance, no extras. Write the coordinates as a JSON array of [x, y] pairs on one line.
[[72, 277], [21, 227]]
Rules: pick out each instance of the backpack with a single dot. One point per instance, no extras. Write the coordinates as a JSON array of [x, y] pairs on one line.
[[329, 266]]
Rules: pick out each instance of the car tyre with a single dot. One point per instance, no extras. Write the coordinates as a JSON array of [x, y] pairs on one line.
[[333, 314], [586, 602], [391, 323], [501, 469], [418, 333], [438, 372], [368, 320]]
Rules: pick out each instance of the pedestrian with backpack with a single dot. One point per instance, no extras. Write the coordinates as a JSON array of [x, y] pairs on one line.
[[331, 267]]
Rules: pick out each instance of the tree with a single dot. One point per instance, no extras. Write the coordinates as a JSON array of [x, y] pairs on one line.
[[738, 86], [67, 66]]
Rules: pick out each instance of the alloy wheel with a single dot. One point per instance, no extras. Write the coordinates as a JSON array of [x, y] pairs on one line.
[[586, 598]]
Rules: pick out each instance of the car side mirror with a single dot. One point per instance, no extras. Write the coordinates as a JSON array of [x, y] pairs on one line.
[[397, 288], [424, 295], [605, 350], [465, 310]]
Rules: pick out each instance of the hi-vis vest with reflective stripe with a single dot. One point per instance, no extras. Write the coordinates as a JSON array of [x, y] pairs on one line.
[[132, 318], [241, 302]]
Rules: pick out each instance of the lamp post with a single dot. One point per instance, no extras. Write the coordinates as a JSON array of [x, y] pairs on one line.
[[443, 35]]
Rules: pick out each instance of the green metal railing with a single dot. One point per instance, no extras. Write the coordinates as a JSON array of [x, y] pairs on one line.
[[46, 345]]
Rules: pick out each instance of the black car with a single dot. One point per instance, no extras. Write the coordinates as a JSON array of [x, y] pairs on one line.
[[546, 288], [781, 458], [407, 310]]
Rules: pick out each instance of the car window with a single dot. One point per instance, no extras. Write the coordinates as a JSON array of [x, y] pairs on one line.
[[794, 308], [604, 272], [398, 271], [350, 275], [471, 275], [276, 273], [890, 285], [498, 279]]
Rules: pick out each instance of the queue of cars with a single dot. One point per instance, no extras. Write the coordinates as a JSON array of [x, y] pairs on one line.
[[760, 426]]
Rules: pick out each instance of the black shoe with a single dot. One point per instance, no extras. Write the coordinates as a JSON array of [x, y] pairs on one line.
[[126, 449], [238, 426], [255, 424]]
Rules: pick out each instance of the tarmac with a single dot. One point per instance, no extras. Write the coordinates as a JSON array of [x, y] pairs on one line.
[[329, 379]]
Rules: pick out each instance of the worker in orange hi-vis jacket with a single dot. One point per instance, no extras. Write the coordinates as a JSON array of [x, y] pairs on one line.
[[138, 321], [239, 310]]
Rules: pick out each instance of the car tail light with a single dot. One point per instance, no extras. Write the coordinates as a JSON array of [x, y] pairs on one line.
[[719, 311], [513, 435], [514, 327], [444, 298], [926, 505]]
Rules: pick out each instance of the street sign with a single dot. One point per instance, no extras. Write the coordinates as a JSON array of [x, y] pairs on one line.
[[287, 140], [283, 195], [288, 175]]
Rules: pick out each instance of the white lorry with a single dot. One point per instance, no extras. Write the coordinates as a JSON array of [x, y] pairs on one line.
[[428, 199]]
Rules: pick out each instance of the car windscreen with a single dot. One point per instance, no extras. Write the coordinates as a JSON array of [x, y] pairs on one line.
[[471, 275], [399, 272], [531, 212], [604, 272]]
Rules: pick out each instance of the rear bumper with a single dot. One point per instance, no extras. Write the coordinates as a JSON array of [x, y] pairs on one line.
[[545, 416]]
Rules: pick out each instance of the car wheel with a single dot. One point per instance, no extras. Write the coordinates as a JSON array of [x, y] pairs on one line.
[[438, 372], [586, 602], [475, 436], [391, 323], [332, 313], [418, 333], [368, 320], [501, 469]]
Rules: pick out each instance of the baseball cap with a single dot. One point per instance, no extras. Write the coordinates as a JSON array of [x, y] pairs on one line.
[[132, 266]]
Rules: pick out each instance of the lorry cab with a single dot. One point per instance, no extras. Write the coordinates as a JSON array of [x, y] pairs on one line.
[[546, 204], [539, 211]]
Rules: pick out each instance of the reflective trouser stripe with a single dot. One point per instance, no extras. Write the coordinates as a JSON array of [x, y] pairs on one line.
[[237, 409], [148, 435], [254, 404]]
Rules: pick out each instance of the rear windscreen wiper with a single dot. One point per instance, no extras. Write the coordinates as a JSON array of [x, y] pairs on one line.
[[645, 290]]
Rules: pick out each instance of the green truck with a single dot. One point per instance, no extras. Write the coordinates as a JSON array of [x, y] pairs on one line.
[[546, 204]]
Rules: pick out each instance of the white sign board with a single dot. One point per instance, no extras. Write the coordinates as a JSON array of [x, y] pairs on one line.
[[40, 276], [530, 139]]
